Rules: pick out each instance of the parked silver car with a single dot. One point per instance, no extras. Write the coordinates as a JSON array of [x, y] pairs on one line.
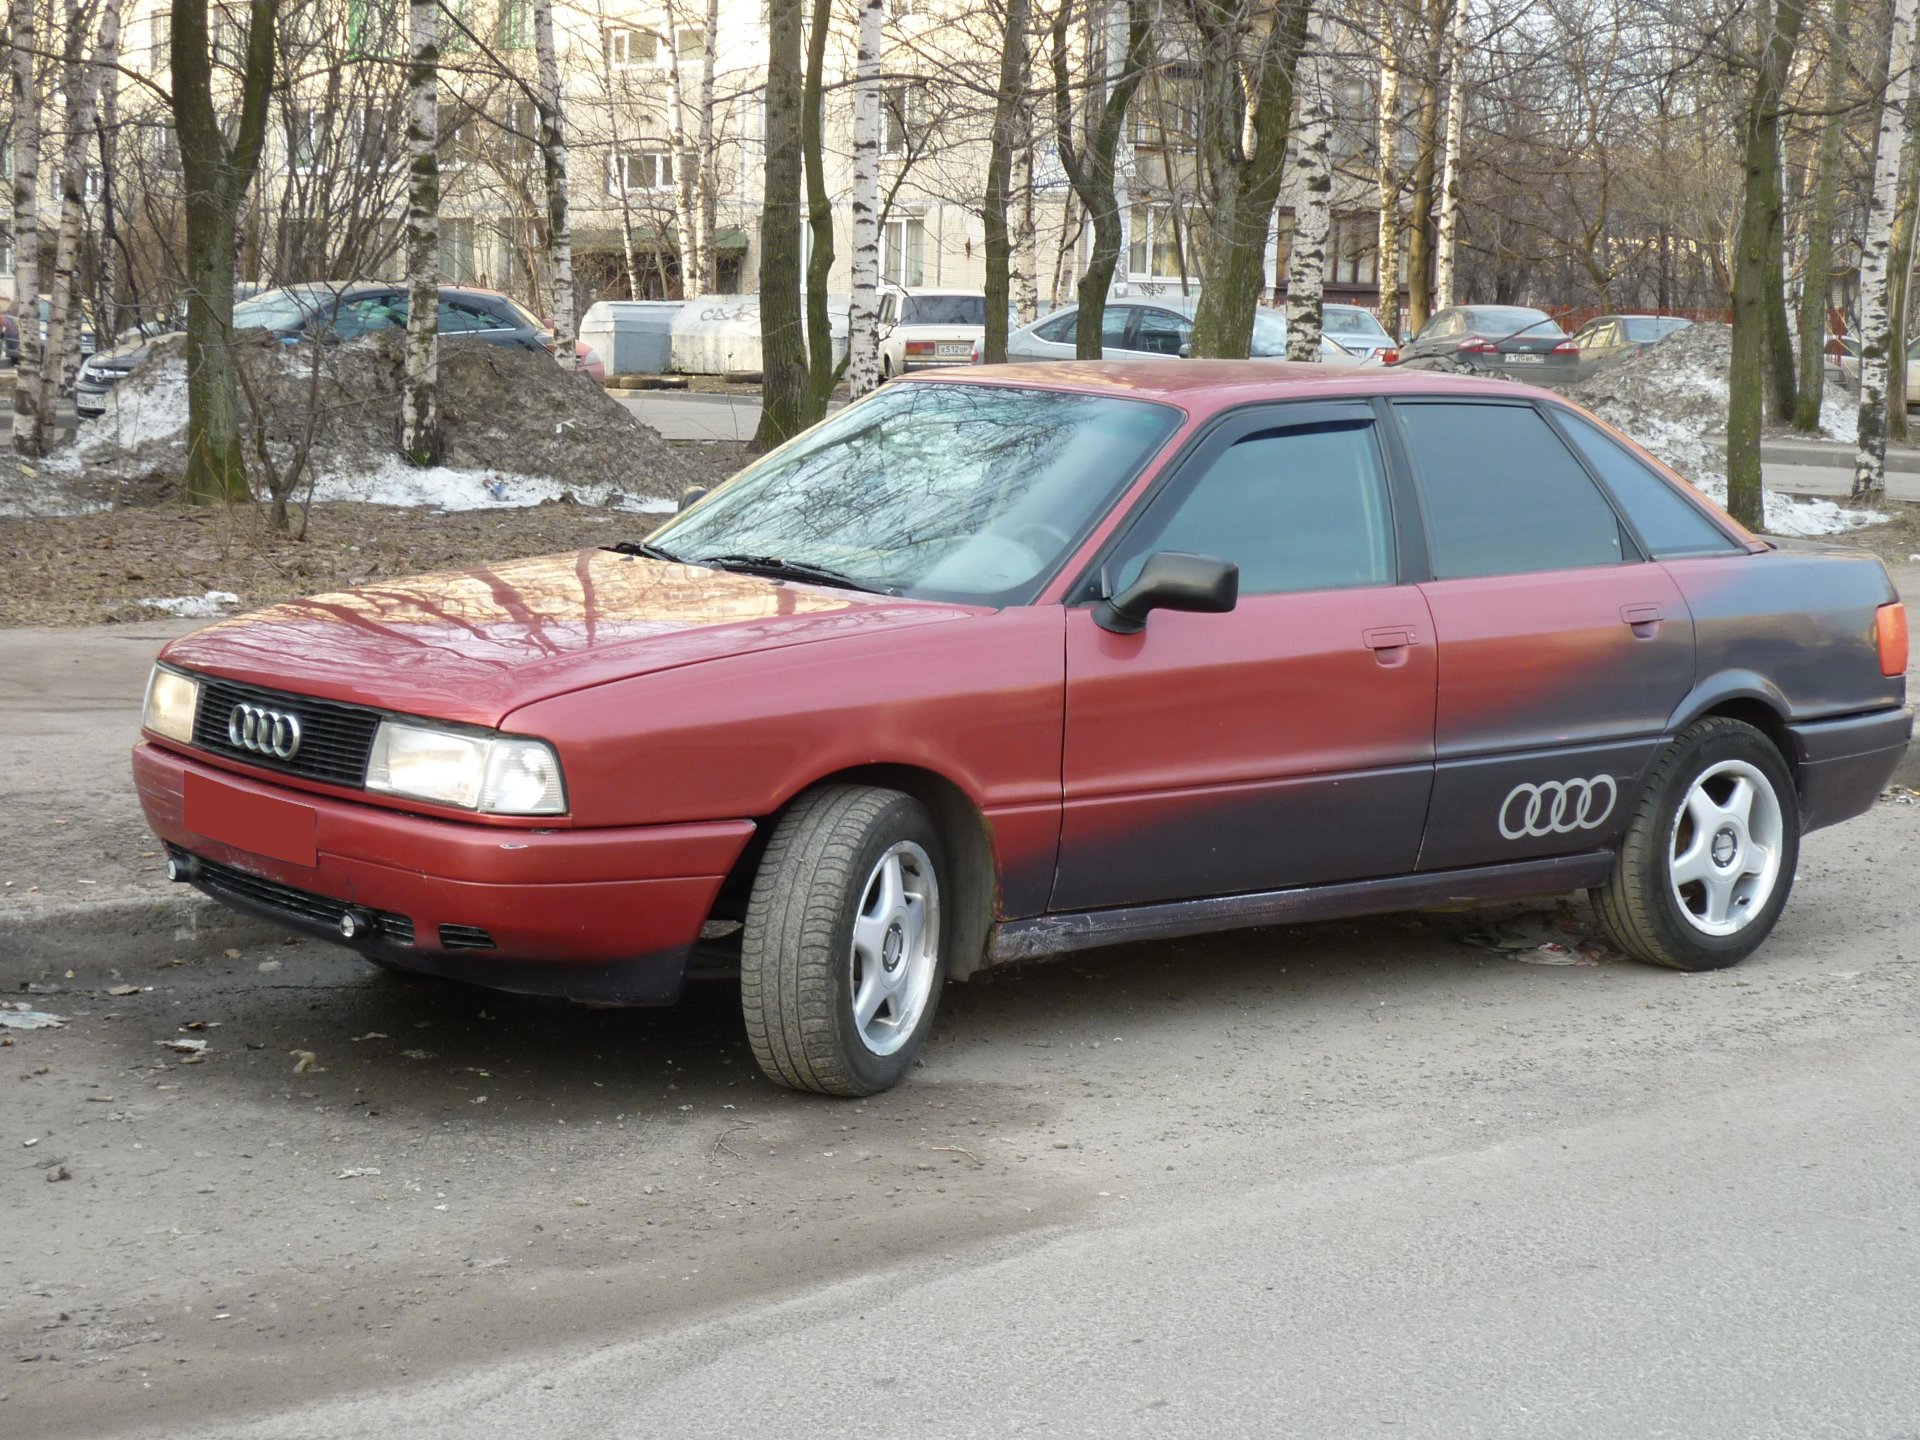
[[1137, 329]]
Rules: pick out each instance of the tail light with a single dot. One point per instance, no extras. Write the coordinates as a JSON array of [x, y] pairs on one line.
[[1477, 345], [979, 355], [1567, 347], [920, 347], [1890, 630], [1389, 357]]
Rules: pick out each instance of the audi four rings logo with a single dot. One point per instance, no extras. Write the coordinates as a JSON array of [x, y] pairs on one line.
[[264, 731], [1558, 807]]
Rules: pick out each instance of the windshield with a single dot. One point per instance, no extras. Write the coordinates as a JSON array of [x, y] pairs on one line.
[[279, 309], [1500, 321], [1348, 322], [1654, 328], [967, 492], [943, 310]]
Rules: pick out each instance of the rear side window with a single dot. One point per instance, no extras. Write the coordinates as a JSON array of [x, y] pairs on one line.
[[1503, 494], [1671, 525], [1061, 331], [1297, 509]]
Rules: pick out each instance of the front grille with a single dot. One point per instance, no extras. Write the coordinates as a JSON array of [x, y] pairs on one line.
[[294, 904], [334, 738], [464, 937]]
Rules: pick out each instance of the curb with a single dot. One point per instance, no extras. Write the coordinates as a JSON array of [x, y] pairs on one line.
[[101, 935]]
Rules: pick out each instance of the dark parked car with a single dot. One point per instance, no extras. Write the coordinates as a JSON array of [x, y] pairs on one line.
[[1505, 338], [10, 330], [1012, 661], [1606, 337], [333, 312]]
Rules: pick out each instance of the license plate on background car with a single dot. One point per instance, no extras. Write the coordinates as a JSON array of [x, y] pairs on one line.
[[258, 824], [1524, 359], [954, 347]]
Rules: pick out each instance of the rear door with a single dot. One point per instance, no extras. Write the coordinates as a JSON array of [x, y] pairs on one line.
[[1563, 650], [1287, 742]]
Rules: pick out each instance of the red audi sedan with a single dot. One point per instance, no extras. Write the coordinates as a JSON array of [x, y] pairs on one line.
[[1002, 663]]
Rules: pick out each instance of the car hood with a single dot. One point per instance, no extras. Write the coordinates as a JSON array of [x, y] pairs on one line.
[[474, 645]]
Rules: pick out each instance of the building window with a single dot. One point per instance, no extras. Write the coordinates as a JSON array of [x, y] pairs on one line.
[[91, 185], [628, 47], [636, 171], [1355, 240], [1158, 243], [690, 43], [903, 250], [160, 46], [456, 250], [905, 108], [456, 24], [516, 25], [306, 141], [370, 27], [1166, 110], [6, 254]]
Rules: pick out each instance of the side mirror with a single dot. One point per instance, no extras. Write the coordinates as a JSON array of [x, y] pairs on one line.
[[1171, 580], [1186, 349], [692, 495]]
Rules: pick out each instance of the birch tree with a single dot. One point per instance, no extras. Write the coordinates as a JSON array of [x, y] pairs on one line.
[[1877, 341], [1439, 24], [1087, 152], [419, 402], [80, 79], [1387, 165], [107, 124], [863, 340], [217, 173], [783, 355], [1447, 242], [1312, 201], [708, 278], [1248, 60], [1007, 102], [30, 426], [1756, 253], [685, 207], [1023, 280], [553, 163]]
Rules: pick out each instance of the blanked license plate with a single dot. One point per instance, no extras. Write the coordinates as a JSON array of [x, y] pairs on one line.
[[1523, 358], [957, 348], [258, 824]]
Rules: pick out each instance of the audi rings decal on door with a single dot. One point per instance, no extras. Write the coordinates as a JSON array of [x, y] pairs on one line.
[[264, 731], [1557, 807]]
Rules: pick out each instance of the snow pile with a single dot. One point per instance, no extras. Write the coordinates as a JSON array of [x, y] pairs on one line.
[[1672, 398], [195, 607], [516, 429]]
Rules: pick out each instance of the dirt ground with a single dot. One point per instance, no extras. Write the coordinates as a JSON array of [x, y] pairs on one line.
[[93, 569]]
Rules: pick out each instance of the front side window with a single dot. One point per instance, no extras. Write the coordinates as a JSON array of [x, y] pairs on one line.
[[973, 492], [1296, 509], [1670, 525], [1502, 494]]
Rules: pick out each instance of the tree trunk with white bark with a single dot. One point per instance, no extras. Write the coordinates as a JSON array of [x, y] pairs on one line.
[[553, 164], [863, 308], [1446, 244], [80, 81], [708, 279], [1816, 284], [1387, 169], [1876, 337], [1312, 202], [1007, 103], [685, 211], [419, 400], [1022, 279], [30, 427], [107, 62]]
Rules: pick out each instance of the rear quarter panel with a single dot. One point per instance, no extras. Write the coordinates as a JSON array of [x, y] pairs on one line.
[[1793, 627]]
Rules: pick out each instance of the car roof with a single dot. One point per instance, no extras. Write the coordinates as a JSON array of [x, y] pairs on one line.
[[1203, 387]]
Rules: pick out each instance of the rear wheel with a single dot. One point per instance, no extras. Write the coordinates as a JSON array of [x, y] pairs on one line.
[[1708, 858], [841, 957]]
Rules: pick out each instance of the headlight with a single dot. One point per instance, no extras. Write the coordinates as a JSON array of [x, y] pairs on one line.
[[172, 699], [496, 774]]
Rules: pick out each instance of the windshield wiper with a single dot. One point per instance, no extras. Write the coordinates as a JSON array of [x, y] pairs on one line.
[[643, 549], [784, 569]]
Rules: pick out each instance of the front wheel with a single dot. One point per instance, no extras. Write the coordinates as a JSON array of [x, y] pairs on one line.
[[841, 958], [1709, 856]]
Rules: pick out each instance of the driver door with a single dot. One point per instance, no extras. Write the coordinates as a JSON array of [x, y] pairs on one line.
[[1287, 742]]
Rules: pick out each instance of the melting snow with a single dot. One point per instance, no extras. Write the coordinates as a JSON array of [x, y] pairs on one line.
[[196, 607]]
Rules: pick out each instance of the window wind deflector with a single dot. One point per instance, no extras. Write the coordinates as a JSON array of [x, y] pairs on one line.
[[780, 568]]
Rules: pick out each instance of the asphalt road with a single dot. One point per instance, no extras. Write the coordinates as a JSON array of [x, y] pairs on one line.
[[1344, 1180]]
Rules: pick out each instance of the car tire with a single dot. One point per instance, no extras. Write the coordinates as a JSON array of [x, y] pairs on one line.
[[845, 916], [1709, 855]]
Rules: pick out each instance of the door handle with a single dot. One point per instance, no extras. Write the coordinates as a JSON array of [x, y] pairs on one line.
[[1389, 638], [1645, 619]]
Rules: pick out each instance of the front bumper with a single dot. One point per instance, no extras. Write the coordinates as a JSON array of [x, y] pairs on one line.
[[1845, 764], [605, 915]]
